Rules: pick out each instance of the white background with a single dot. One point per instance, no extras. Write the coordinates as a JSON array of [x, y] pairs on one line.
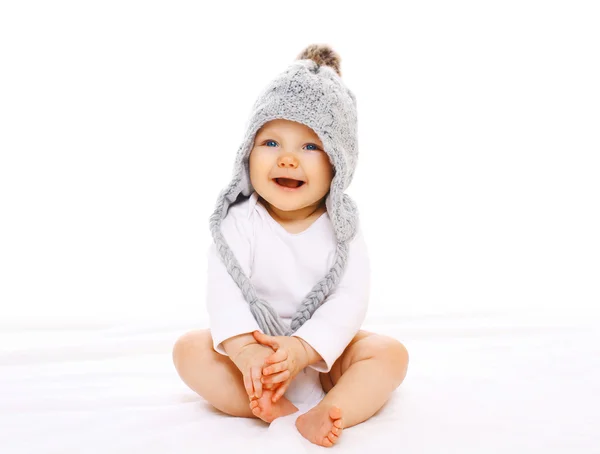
[[479, 139]]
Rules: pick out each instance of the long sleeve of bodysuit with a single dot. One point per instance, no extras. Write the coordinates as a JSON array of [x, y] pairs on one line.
[[228, 311], [334, 324]]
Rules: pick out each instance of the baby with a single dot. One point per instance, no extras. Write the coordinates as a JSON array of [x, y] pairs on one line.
[[288, 273]]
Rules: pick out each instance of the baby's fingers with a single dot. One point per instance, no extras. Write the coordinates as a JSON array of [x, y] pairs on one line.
[[279, 367], [277, 378], [256, 376], [248, 385], [281, 391], [277, 357]]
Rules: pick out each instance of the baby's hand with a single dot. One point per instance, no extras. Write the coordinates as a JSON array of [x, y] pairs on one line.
[[284, 364], [250, 361]]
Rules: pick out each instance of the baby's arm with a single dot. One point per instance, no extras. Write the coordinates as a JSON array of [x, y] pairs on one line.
[[231, 322], [229, 313], [335, 323]]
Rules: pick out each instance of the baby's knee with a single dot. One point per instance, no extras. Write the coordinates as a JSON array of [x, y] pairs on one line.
[[391, 352], [191, 345], [397, 355]]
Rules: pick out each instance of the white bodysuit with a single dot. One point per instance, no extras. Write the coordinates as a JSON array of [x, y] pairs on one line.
[[283, 267]]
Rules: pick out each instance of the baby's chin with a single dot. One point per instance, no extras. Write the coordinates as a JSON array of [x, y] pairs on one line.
[[288, 202], [288, 205]]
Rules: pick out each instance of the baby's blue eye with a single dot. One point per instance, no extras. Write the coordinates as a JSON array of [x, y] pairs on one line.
[[270, 141], [312, 145]]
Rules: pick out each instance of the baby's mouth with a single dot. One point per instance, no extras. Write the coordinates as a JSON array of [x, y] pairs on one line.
[[288, 182]]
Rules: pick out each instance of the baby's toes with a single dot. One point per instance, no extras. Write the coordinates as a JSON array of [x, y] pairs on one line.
[[332, 437], [335, 413], [336, 430], [327, 442], [255, 407]]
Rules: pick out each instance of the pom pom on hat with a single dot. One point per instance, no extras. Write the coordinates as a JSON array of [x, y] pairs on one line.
[[322, 55]]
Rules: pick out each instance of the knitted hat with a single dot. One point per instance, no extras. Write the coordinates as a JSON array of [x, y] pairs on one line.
[[310, 91]]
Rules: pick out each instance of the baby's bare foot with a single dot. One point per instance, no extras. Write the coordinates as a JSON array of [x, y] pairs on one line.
[[268, 411], [321, 425]]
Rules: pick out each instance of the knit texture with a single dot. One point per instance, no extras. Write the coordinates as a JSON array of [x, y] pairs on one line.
[[315, 96]]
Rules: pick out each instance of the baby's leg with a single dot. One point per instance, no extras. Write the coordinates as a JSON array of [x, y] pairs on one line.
[[219, 381], [360, 382], [211, 374]]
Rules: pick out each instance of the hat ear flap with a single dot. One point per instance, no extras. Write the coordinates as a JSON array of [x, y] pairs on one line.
[[343, 214]]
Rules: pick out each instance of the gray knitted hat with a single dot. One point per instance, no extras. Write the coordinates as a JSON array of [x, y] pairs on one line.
[[310, 91]]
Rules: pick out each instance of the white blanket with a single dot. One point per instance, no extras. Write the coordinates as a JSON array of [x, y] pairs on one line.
[[474, 385]]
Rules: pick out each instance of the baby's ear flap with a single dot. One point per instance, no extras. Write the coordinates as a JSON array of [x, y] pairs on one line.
[[343, 213]]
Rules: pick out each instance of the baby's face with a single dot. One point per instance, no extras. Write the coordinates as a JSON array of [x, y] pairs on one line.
[[288, 166]]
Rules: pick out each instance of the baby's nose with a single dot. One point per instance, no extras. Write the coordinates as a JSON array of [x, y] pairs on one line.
[[288, 161]]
